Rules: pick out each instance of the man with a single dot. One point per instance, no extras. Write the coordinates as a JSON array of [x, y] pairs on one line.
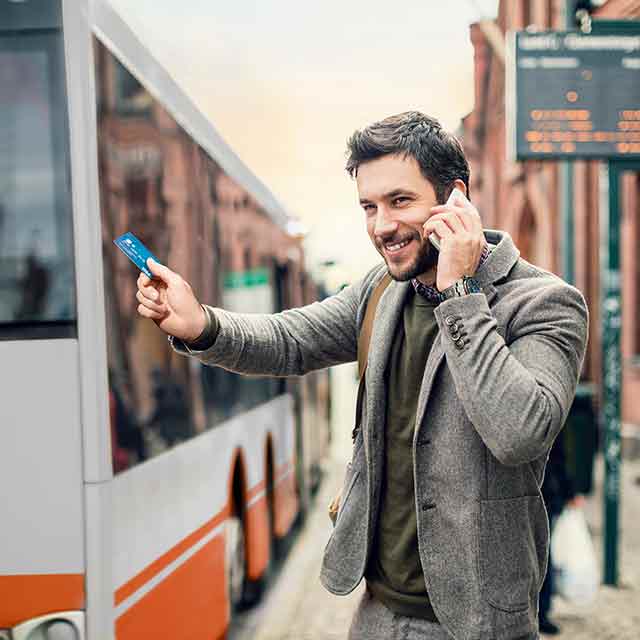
[[473, 363]]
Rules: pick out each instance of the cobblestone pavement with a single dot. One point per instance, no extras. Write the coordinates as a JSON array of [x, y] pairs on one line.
[[298, 608]]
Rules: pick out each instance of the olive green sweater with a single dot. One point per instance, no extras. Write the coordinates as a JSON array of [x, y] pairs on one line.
[[394, 573]]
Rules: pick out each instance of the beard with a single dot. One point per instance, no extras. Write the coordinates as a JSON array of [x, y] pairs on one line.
[[426, 259]]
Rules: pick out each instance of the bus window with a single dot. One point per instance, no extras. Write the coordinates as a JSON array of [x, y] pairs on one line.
[[37, 287], [157, 182]]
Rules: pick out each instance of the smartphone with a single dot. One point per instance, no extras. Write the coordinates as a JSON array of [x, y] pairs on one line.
[[433, 238]]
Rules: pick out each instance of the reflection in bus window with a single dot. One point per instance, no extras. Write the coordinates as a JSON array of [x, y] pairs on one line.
[[36, 254], [157, 182]]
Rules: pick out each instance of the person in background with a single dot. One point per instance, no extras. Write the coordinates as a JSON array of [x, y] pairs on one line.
[[558, 491]]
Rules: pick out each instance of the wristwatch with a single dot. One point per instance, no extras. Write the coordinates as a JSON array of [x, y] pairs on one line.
[[461, 287]]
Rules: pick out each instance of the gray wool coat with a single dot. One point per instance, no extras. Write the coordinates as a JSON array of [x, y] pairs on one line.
[[497, 387]]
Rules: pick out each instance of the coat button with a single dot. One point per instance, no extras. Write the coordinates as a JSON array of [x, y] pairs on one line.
[[455, 336], [460, 343], [449, 320], [454, 328]]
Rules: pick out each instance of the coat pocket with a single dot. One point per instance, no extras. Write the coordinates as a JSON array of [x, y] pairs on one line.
[[349, 481], [345, 553], [513, 549]]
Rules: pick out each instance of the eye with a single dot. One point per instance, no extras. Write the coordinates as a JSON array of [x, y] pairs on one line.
[[399, 201], [369, 208]]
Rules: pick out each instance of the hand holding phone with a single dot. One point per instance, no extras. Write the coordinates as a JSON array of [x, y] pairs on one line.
[[433, 238], [458, 229]]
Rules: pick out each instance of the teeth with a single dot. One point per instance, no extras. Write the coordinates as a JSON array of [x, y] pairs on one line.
[[399, 245]]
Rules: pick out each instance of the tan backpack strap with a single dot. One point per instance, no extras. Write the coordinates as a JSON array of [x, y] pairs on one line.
[[367, 324], [363, 354]]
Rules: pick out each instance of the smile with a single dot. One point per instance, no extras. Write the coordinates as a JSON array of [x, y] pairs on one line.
[[392, 248]]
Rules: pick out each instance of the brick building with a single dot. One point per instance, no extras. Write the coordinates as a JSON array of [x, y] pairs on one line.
[[524, 198]]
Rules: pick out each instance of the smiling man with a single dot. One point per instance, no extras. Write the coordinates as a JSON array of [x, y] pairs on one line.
[[474, 359]]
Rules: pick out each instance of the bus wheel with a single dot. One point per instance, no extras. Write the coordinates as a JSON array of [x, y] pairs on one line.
[[236, 563]]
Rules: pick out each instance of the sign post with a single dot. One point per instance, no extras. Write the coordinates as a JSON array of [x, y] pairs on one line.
[[576, 96], [611, 362], [611, 326]]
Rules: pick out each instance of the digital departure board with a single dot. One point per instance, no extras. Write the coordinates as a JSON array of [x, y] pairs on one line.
[[571, 95]]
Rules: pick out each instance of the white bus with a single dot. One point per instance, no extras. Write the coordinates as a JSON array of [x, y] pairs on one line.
[[142, 494]]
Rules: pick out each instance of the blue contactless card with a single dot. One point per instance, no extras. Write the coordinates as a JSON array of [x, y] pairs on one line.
[[135, 251]]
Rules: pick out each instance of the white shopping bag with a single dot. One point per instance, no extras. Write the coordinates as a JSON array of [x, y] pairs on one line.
[[574, 558]]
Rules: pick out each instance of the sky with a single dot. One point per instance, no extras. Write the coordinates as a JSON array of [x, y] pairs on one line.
[[286, 83]]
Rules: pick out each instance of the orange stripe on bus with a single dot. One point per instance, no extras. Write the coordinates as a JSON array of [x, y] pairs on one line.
[[255, 490], [28, 596], [189, 603], [139, 580], [257, 535], [286, 503], [130, 587]]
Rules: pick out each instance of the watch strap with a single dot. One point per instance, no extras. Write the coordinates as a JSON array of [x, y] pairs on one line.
[[462, 287]]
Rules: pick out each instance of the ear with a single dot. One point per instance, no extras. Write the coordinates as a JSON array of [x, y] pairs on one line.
[[458, 184]]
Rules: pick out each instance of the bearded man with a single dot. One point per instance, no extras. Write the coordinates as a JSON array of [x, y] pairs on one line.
[[474, 359]]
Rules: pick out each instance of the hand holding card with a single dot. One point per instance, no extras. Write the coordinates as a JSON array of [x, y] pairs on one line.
[[164, 296], [169, 301]]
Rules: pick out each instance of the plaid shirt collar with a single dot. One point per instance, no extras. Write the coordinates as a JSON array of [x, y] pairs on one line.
[[430, 293]]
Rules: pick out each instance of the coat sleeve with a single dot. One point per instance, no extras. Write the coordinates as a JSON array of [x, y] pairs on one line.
[[518, 395], [292, 342]]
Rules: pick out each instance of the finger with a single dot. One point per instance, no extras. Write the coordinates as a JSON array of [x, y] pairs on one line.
[[466, 221], [143, 279], [451, 207], [439, 227], [447, 207], [150, 304], [450, 219], [469, 216], [150, 292], [472, 222], [160, 271], [148, 313], [477, 222], [454, 222]]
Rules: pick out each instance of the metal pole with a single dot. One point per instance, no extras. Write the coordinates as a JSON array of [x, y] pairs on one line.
[[611, 361], [568, 226], [566, 186]]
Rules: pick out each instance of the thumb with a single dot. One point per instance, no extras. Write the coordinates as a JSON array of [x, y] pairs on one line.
[[159, 270]]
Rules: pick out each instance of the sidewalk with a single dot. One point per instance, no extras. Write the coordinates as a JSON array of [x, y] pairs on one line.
[[298, 608]]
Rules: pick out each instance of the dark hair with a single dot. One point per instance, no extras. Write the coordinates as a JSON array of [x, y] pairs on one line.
[[438, 153]]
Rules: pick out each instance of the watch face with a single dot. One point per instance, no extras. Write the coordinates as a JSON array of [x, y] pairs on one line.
[[472, 286]]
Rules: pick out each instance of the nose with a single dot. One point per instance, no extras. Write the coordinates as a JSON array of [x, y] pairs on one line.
[[385, 226]]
